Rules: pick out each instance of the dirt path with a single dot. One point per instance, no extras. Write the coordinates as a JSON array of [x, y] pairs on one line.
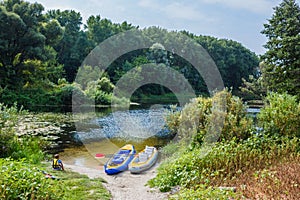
[[124, 185]]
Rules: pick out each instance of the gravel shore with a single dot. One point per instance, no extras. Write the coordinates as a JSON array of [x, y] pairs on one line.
[[124, 185]]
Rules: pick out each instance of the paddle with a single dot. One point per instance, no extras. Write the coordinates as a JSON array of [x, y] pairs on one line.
[[100, 155], [47, 175]]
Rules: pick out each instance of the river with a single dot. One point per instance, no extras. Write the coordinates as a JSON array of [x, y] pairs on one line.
[[139, 126], [108, 131]]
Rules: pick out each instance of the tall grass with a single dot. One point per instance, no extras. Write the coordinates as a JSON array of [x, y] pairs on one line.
[[14, 146], [239, 150], [22, 180], [227, 161]]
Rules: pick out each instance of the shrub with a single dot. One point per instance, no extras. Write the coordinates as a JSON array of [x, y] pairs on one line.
[[68, 91], [201, 117], [102, 98], [281, 115], [14, 146], [226, 161], [20, 180], [8, 120], [29, 148]]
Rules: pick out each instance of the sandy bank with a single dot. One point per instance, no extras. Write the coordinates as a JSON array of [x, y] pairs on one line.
[[125, 185]]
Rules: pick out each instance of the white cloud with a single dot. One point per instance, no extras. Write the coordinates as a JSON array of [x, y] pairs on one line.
[[256, 6], [148, 4], [174, 10], [180, 11]]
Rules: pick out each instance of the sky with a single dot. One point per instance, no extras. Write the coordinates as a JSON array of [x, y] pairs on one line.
[[239, 20]]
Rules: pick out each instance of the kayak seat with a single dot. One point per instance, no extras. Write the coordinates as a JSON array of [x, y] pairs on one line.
[[118, 160], [143, 157], [124, 151], [149, 150]]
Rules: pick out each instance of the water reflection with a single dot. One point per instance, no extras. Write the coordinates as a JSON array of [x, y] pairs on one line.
[[139, 127], [126, 124]]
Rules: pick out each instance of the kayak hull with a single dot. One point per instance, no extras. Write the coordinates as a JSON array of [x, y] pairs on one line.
[[120, 160], [138, 165]]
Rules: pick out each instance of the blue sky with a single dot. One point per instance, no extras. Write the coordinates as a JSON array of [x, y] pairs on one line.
[[238, 20]]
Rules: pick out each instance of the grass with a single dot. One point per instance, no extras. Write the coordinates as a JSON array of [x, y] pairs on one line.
[[78, 186], [20, 171], [22, 180], [279, 181], [259, 168], [259, 165]]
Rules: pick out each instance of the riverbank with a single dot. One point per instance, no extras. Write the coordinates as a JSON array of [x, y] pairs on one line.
[[124, 185]]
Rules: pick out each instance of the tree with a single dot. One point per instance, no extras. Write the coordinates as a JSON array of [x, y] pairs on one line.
[[53, 32], [233, 60], [73, 46], [20, 39], [99, 29], [26, 36], [281, 60]]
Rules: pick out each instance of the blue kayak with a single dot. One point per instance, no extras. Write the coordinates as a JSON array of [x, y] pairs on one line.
[[120, 160]]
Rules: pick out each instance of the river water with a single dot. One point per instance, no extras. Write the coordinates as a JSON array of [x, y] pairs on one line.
[[139, 126]]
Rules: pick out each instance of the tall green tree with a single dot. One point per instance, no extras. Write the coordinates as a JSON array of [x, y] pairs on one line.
[[233, 60], [26, 36], [20, 38], [73, 46], [281, 60], [99, 29]]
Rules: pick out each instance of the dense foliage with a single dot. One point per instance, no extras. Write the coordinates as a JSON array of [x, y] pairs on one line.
[[231, 111], [38, 50], [20, 180], [11, 144], [25, 57], [234, 61], [281, 61], [226, 161], [281, 115], [230, 158]]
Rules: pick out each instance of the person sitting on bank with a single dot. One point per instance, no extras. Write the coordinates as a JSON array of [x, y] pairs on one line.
[[57, 163]]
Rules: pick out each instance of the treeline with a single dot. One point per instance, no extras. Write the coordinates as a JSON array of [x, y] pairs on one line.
[[41, 52]]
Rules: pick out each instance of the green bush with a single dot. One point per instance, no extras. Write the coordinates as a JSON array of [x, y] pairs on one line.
[[33, 98], [8, 121], [123, 102], [227, 160], [102, 98], [67, 92], [8, 97], [102, 92], [15, 146], [29, 98], [20, 180], [197, 117], [29, 148], [281, 115]]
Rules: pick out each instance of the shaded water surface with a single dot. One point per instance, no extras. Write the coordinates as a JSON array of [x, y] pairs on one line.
[[106, 134]]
